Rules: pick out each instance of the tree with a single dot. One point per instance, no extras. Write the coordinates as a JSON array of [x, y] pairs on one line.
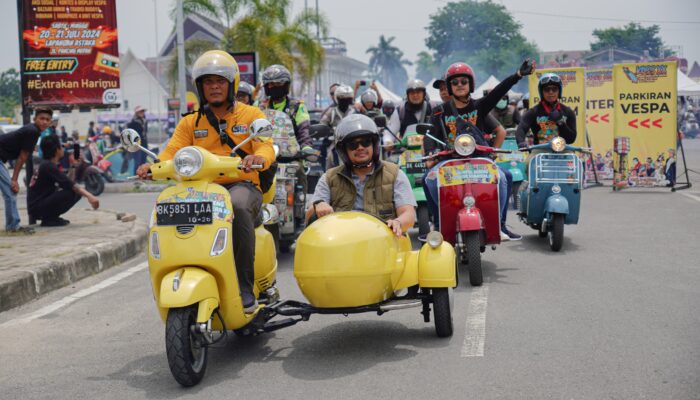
[[386, 63], [426, 69], [268, 29], [193, 49], [223, 11], [483, 34], [631, 37], [10, 92]]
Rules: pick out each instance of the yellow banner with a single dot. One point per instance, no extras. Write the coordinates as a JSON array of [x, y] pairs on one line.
[[468, 173], [600, 121], [645, 123], [573, 95]]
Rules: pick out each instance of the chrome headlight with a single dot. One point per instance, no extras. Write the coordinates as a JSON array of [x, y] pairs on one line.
[[434, 239], [465, 145], [469, 201], [556, 189], [188, 161], [558, 144]]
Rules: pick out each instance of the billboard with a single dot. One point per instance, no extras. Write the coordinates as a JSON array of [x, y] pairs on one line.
[[247, 66], [600, 121], [645, 124], [69, 53]]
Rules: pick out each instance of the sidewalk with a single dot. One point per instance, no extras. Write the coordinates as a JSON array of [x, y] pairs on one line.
[[32, 265]]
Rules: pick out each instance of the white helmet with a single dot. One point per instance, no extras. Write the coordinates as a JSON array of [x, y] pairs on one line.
[[343, 92], [352, 126], [369, 96]]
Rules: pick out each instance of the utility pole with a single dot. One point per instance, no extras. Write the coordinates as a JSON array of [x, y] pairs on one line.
[[181, 85], [159, 99], [317, 95]]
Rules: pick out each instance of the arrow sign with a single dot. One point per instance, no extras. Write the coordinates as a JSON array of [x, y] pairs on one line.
[[594, 118], [657, 123], [645, 123], [605, 118], [633, 123]]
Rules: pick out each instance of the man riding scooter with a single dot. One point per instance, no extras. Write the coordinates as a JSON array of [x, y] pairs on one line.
[[415, 110], [216, 78], [363, 182], [549, 118], [462, 109]]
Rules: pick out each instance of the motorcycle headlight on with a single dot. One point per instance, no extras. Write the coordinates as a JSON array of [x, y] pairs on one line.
[[465, 145], [188, 161], [469, 201], [558, 144]]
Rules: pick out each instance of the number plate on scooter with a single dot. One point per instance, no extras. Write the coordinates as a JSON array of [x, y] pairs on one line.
[[194, 213]]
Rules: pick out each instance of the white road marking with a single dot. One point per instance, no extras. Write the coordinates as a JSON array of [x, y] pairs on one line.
[[76, 296], [690, 195], [475, 332]]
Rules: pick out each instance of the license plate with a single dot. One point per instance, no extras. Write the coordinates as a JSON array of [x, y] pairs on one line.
[[195, 213]]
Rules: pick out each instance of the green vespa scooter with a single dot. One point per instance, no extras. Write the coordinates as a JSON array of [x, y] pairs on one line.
[[513, 162]]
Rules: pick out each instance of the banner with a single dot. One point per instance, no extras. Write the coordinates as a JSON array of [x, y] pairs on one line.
[[573, 96], [645, 124], [247, 67], [69, 53], [599, 121]]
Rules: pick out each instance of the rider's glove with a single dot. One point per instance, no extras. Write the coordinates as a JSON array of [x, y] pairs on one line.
[[557, 117], [308, 150], [526, 68]]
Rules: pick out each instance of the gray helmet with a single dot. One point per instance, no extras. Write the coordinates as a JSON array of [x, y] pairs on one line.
[[245, 87], [388, 103], [343, 92], [415, 84], [369, 96], [352, 126], [276, 73]]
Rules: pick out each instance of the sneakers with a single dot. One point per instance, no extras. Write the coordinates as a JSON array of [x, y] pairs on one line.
[[510, 235], [250, 304], [21, 230], [504, 237], [55, 222]]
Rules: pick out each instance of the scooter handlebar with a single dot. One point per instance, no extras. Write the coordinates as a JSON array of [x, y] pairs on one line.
[[254, 166]]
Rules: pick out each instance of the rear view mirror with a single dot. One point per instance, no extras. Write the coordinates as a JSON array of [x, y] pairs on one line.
[[131, 140], [320, 131], [261, 128], [380, 120], [423, 129]]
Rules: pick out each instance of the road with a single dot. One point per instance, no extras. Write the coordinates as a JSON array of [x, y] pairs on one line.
[[612, 316]]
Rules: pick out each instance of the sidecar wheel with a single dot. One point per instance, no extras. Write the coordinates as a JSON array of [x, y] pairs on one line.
[[187, 354], [423, 219], [473, 246], [556, 234], [442, 312]]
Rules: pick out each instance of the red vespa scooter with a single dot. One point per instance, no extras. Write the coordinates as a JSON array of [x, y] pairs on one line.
[[468, 200]]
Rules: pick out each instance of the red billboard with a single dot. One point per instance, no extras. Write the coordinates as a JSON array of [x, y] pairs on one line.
[[69, 53]]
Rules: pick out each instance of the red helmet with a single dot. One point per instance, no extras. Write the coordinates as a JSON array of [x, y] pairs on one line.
[[460, 69]]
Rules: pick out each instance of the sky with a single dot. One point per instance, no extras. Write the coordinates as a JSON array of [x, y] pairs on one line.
[[360, 23]]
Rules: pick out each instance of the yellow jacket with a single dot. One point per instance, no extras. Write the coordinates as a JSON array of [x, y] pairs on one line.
[[190, 133]]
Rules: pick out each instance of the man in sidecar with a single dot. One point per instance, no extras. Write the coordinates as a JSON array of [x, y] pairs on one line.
[[218, 126], [363, 182]]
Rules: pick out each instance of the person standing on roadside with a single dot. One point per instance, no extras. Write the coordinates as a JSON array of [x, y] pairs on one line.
[[19, 146], [140, 125]]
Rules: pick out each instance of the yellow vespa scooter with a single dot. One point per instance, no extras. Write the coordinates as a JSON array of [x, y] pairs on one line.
[[190, 254]]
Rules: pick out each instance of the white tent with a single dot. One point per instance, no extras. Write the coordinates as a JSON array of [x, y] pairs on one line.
[[687, 86], [491, 83], [433, 93]]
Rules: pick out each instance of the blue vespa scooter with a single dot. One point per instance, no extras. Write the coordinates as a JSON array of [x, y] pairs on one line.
[[551, 197]]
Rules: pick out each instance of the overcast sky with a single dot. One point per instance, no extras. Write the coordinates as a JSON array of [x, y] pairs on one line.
[[360, 22]]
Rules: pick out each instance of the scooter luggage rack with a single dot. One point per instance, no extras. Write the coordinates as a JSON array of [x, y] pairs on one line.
[[558, 168]]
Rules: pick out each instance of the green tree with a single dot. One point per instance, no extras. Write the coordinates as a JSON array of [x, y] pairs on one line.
[[386, 63], [268, 29], [10, 92], [483, 34], [223, 11], [632, 37], [193, 49], [426, 68]]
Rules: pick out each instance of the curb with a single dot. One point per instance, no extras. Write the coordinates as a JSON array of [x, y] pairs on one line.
[[32, 282]]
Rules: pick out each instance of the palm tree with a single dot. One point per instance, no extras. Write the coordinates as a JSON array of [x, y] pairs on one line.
[[223, 11], [386, 63], [268, 29]]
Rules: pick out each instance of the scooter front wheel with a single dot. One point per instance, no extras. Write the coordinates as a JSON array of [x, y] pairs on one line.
[[472, 245], [556, 234], [442, 312], [186, 349]]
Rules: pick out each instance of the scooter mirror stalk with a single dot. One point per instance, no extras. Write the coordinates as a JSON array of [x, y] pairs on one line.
[[131, 140], [258, 129], [424, 129]]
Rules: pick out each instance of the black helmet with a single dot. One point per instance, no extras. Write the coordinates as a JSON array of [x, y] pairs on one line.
[[353, 126]]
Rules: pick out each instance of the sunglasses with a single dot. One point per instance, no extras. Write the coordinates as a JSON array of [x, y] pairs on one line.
[[364, 142], [550, 89], [550, 78], [459, 82]]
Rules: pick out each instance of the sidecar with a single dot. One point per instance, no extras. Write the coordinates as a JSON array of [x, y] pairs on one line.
[[351, 262]]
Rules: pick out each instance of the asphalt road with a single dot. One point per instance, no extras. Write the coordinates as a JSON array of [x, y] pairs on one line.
[[614, 315]]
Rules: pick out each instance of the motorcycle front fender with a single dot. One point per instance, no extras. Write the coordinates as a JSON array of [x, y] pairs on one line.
[[437, 267], [469, 219], [187, 286], [518, 174], [556, 204], [419, 194]]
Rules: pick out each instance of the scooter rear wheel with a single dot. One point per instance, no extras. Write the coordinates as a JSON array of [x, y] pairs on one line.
[[442, 312], [94, 183], [186, 350]]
